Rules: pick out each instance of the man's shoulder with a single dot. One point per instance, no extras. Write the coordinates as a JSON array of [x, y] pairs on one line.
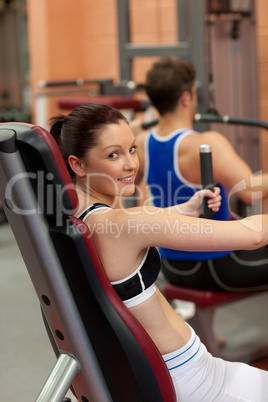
[[190, 144], [208, 136], [141, 137]]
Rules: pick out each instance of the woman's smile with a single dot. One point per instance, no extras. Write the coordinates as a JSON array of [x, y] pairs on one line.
[[128, 179]]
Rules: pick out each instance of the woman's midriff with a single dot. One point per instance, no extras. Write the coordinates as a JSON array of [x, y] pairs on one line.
[[166, 328]]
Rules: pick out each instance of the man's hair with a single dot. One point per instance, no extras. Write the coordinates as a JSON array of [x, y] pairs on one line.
[[167, 80]]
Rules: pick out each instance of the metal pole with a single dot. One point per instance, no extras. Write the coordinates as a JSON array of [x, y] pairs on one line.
[[123, 26], [60, 379]]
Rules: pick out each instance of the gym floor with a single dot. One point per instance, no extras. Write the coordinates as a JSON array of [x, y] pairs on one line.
[[26, 355]]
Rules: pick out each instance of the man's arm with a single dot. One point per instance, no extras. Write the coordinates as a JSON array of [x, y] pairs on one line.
[[229, 169]]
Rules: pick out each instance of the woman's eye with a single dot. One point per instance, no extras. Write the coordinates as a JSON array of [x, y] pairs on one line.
[[113, 155], [133, 149]]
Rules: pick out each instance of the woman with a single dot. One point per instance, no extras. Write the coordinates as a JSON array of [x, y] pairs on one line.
[[100, 153]]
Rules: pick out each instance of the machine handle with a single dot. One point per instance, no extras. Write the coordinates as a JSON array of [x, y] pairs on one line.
[[214, 118], [206, 178]]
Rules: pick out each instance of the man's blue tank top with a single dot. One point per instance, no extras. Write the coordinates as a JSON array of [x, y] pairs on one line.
[[168, 187]]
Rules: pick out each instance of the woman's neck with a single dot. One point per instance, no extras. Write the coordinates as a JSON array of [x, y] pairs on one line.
[[86, 198]]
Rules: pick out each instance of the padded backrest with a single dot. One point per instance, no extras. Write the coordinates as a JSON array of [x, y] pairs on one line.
[[84, 315]]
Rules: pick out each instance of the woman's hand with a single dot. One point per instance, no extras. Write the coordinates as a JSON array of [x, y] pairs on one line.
[[193, 206]]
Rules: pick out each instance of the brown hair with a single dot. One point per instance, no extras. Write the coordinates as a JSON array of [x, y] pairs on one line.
[[167, 80], [78, 132]]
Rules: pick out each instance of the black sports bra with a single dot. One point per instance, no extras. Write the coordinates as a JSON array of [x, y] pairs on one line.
[[138, 286]]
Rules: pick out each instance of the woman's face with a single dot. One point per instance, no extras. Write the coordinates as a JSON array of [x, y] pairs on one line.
[[112, 165]]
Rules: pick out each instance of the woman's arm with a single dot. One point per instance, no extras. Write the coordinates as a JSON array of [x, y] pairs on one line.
[[142, 227]]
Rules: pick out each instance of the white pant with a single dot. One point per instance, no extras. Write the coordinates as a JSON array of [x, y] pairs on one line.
[[198, 376]]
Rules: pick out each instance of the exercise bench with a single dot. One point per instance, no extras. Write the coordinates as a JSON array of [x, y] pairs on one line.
[[126, 104], [103, 353]]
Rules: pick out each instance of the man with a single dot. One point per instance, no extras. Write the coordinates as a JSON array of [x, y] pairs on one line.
[[170, 165]]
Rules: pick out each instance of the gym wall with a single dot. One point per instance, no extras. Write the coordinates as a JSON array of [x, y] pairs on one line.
[[70, 40]]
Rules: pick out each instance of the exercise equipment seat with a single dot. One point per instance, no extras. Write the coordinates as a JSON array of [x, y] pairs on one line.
[[103, 353]]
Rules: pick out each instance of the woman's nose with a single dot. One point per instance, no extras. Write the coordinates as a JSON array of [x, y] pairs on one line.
[[130, 162]]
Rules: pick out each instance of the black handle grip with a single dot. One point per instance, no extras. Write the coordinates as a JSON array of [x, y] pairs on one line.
[[206, 178], [149, 124]]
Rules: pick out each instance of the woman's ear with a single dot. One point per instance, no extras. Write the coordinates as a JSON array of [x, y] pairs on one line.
[[77, 165]]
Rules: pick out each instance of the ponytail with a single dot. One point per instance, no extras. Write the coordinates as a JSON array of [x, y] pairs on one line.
[[56, 127]]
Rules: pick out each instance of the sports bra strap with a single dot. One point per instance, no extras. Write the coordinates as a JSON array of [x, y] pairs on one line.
[[91, 208]]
